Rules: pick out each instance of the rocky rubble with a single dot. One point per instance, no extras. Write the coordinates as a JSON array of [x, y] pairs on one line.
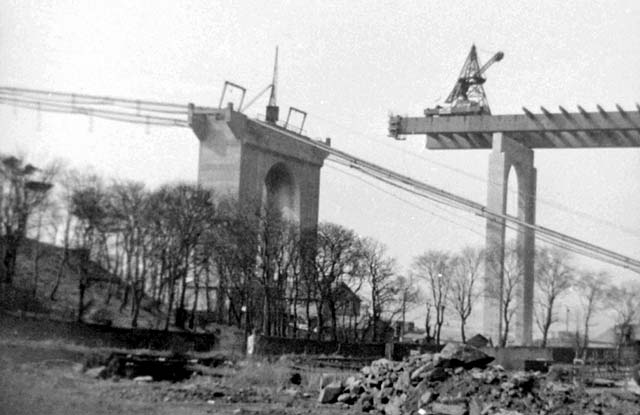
[[457, 381]]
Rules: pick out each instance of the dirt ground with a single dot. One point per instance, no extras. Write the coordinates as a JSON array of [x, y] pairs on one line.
[[36, 380]]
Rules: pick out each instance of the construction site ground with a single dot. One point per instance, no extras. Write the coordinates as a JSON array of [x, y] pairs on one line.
[[54, 378], [41, 378]]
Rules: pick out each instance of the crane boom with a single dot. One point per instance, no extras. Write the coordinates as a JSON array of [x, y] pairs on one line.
[[495, 58], [468, 96]]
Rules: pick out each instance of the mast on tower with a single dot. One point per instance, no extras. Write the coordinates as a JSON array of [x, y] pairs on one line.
[[273, 109]]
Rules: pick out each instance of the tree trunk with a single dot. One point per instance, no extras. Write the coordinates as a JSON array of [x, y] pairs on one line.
[[36, 268], [427, 324], [545, 329], [404, 312], [319, 308], [307, 309], [266, 311], [439, 322], [138, 294], [10, 257], [585, 340], [194, 307], [295, 312], [171, 293], [462, 332], [374, 318], [82, 286], [65, 257], [503, 340], [59, 272], [334, 320], [112, 276]]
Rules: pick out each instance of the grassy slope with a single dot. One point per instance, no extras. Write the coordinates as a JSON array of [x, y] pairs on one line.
[[66, 304]]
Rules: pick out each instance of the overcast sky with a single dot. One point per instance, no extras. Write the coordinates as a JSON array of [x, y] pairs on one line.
[[348, 64]]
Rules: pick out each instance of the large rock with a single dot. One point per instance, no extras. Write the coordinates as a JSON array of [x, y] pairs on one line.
[[143, 379], [354, 386], [418, 373], [448, 409], [382, 363], [96, 372], [394, 406], [326, 379], [437, 374], [414, 397], [365, 402], [330, 393], [462, 355], [403, 383], [347, 398], [427, 397], [475, 407], [633, 386], [559, 373]]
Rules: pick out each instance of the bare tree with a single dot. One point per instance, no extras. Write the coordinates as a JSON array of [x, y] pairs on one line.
[[428, 337], [506, 291], [274, 262], [89, 206], [434, 267], [181, 217], [235, 254], [554, 276], [64, 198], [22, 189], [625, 301], [44, 222], [131, 216], [408, 298], [465, 273], [337, 259], [592, 289], [379, 272]]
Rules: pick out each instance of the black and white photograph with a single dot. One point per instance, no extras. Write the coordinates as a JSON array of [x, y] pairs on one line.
[[319, 207]]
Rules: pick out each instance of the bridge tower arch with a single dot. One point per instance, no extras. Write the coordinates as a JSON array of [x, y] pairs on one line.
[[281, 192], [510, 157]]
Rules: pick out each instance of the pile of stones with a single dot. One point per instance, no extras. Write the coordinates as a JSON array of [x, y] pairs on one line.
[[458, 381]]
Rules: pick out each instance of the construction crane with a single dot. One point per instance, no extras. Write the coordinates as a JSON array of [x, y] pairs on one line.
[[468, 96]]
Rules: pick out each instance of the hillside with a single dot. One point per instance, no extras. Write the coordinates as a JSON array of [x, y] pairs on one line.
[[65, 303]]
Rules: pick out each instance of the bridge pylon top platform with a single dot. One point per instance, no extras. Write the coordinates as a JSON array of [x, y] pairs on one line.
[[564, 129]]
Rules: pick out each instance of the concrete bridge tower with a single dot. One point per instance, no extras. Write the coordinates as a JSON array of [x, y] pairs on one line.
[[255, 161], [259, 162]]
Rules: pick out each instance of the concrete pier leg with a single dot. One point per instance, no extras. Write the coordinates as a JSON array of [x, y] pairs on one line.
[[506, 154]]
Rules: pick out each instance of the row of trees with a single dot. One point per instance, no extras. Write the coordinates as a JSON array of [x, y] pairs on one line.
[[170, 245], [454, 289]]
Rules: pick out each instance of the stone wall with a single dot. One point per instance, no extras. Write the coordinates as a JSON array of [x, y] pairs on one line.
[[513, 358], [624, 355], [402, 350], [270, 346], [94, 335]]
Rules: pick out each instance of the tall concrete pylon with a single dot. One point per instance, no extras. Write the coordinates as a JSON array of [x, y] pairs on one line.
[[512, 139], [509, 156], [241, 158]]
